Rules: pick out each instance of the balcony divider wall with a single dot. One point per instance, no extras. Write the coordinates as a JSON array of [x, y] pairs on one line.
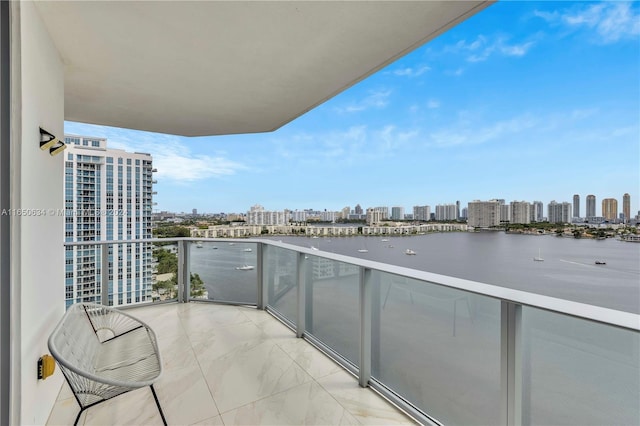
[[445, 350]]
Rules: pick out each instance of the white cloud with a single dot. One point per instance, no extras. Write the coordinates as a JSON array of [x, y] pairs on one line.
[[173, 159], [611, 21], [464, 133], [483, 47], [411, 72], [375, 99]]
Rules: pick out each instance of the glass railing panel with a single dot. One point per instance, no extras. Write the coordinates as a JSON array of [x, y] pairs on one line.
[[332, 305], [437, 347], [129, 272], [578, 372], [165, 271], [281, 278], [223, 271]]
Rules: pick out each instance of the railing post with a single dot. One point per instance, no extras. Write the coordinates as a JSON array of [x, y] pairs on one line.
[[365, 327], [301, 312], [104, 274], [511, 363], [184, 275], [262, 298]]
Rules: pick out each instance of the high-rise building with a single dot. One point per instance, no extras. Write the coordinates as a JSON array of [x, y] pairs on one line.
[[358, 209], [422, 213], [591, 206], [257, 215], [446, 212], [626, 207], [344, 214], [458, 210], [505, 212], [108, 196], [559, 212], [610, 209], [576, 205], [484, 214], [374, 215], [537, 211], [520, 212], [464, 213], [397, 213]]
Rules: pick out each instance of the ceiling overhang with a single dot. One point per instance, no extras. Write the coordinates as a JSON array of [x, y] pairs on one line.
[[221, 67]]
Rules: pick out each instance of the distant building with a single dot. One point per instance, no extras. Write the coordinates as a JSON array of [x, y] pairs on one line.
[[520, 212], [464, 213], [422, 213], [358, 209], [484, 214], [397, 213], [559, 212], [626, 207], [610, 209], [257, 215], [344, 214], [505, 213], [591, 206], [374, 216], [194, 212], [576, 205], [384, 211], [537, 211], [446, 212]]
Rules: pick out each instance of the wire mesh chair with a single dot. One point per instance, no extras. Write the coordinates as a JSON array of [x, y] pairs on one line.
[[103, 353]]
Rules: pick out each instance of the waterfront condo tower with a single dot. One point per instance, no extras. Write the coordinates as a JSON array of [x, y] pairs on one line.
[[626, 207], [108, 196], [484, 214], [610, 209], [559, 212], [576, 205], [591, 206]]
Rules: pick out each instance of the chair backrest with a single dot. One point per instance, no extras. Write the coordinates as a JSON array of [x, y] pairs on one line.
[[74, 341]]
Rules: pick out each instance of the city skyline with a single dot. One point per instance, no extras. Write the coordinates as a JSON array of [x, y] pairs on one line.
[[524, 101], [409, 208]]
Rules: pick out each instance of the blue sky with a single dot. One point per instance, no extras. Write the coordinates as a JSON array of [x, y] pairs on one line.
[[524, 101]]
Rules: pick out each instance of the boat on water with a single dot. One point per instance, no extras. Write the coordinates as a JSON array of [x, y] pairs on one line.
[[600, 262], [363, 251], [247, 250], [244, 268], [538, 258], [384, 240], [199, 244], [214, 248], [409, 252]]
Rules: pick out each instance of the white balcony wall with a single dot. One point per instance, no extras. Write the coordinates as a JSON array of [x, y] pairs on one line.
[[37, 282]]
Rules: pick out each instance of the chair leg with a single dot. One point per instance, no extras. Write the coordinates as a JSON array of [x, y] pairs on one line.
[[78, 416], [164, 421]]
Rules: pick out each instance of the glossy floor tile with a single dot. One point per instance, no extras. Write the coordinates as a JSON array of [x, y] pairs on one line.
[[232, 365]]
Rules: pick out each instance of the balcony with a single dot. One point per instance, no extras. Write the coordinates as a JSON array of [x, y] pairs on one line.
[[236, 365], [444, 350]]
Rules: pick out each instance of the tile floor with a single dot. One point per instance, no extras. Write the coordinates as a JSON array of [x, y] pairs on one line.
[[231, 365]]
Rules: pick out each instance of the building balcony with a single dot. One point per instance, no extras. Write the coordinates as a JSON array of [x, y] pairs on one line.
[[289, 335], [235, 365]]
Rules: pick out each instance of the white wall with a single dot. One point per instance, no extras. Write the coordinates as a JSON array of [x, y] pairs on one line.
[[37, 241]]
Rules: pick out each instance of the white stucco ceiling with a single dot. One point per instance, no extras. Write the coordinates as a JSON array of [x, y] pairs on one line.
[[220, 67]]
